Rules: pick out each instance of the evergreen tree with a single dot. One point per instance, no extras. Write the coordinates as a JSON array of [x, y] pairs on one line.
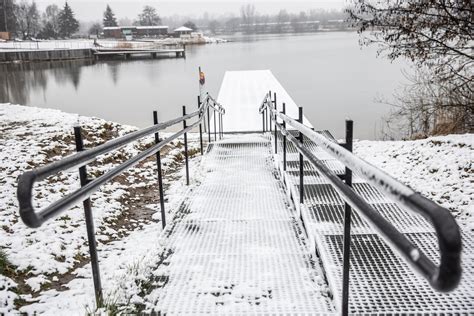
[[109, 17], [68, 24]]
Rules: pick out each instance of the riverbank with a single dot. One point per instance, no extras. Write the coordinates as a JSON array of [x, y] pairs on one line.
[[48, 270], [49, 266], [40, 51]]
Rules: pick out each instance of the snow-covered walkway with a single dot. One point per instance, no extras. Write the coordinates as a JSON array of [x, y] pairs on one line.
[[240, 248]]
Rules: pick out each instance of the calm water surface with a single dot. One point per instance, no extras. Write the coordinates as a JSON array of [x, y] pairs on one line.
[[327, 73]]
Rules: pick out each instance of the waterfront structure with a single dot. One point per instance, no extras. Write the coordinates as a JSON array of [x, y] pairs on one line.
[[183, 30], [278, 218], [135, 31]]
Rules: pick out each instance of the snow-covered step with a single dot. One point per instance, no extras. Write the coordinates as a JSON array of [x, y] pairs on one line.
[[241, 248], [381, 282]]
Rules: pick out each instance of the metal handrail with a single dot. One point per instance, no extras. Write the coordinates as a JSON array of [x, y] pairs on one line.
[[219, 108], [34, 219], [443, 277]]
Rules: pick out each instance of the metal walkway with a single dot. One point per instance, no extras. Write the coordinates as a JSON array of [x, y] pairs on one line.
[[242, 92], [240, 246], [381, 282], [241, 249]]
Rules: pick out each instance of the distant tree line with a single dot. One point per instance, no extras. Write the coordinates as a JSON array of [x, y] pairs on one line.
[[250, 21], [23, 19]]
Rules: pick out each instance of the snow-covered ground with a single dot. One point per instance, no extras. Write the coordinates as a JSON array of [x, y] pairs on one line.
[[44, 260], [104, 43], [441, 168], [50, 272]]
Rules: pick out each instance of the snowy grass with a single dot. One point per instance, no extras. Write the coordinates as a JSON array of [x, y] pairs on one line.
[[47, 270], [51, 271], [440, 168]]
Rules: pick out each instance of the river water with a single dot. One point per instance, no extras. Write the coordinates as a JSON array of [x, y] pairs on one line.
[[326, 73]]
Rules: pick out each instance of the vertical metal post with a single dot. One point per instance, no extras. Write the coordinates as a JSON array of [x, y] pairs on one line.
[[263, 121], [266, 117], [215, 126], [220, 125], [269, 122], [275, 119], [284, 140], [270, 114], [208, 122], [160, 174], [300, 119], [347, 227], [200, 125], [89, 223], [186, 158]]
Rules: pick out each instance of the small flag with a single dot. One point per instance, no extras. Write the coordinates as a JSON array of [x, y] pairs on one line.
[[202, 78]]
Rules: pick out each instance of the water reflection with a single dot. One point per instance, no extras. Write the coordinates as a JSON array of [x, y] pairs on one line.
[[18, 82], [327, 74]]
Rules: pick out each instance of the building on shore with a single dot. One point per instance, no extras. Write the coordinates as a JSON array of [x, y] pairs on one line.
[[127, 32], [183, 30], [6, 36]]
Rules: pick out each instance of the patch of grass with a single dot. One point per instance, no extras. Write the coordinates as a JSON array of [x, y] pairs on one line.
[[4, 263]]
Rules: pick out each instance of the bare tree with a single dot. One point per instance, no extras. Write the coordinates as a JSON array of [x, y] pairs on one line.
[[247, 13], [28, 19], [437, 36], [148, 17]]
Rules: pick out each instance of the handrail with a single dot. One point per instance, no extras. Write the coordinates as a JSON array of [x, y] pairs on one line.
[[219, 108], [443, 277], [34, 219]]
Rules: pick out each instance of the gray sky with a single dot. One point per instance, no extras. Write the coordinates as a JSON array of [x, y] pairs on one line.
[[88, 10]]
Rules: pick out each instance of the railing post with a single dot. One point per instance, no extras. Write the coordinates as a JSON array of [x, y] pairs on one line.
[[208, 122], [347, 227], [215, 126], [186, 158], [266, 118], [160, 174], [263, 121], [200, 125], [284, 139], [300, 119], [222, 124], [270, 115], [89, 224], [269, 123], [275, 120]]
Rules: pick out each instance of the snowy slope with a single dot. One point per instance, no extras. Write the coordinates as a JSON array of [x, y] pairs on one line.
[[45, 259], [440, 168], [52, 271]]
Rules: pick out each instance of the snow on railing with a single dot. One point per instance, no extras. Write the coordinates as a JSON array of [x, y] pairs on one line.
[[35, 219], [443, 277]]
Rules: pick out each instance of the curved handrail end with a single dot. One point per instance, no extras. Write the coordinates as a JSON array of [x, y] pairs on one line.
[[24, 194]]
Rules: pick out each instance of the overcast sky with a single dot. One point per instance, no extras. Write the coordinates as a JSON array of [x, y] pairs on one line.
[[88, 10]]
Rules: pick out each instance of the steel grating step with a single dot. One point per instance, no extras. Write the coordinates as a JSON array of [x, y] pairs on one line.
[[257, 284], [381, 282], [237, 237], [329, 219], [240, 249]]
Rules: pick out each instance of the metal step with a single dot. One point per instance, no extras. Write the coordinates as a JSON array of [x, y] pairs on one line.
[[241, 248], [381, 282]]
